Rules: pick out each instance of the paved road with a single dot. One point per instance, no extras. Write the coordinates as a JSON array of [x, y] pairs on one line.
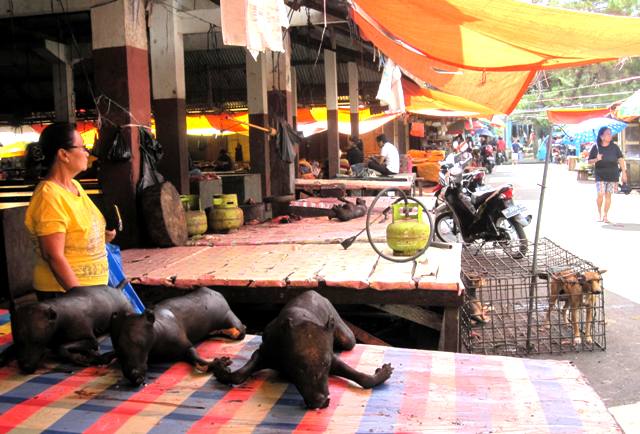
[[569, 218]]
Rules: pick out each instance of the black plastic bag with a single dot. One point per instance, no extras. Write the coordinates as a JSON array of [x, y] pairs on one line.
[[150, 154], [119, 151]]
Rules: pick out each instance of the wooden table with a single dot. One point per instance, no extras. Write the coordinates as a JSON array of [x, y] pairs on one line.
[[428, 391], [404, 182], [275, 273]]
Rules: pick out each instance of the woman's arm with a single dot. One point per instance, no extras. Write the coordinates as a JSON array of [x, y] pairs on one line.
[[623, 167], [52, 248]]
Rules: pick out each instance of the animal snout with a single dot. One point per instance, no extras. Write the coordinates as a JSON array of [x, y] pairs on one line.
[[136, 377], [27, 367], [319, 400]]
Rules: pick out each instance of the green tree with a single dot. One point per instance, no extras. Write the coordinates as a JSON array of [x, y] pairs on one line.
[[594, 85]]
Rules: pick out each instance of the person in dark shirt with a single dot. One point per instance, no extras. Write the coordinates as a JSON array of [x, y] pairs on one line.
[[354, 153], [224, 163], [609, 162]]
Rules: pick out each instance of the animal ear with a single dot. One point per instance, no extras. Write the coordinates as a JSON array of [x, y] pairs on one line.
[[581, 278], [149, 315], [52, 315], [602, 271]]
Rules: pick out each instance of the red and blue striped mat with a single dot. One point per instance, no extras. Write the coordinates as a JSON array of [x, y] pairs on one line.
[[428, 391]]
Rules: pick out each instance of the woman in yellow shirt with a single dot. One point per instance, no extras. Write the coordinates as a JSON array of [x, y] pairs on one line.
[[68, 230]]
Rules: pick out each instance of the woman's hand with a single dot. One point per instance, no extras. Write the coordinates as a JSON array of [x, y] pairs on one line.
[[109, 235]]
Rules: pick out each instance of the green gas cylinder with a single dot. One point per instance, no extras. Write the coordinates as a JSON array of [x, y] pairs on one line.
[[408, 234], [225, 214]]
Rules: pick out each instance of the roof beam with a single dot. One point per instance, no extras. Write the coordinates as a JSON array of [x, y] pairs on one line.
[[12, 8]]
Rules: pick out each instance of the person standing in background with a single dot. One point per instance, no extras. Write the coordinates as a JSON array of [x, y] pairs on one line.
[[609, 163]]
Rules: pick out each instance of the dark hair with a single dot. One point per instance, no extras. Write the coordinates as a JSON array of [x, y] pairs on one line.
[[600, 132], [381, 138], [58, 135]]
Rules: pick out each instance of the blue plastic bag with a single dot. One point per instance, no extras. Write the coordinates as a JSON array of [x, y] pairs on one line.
[[116, 276]]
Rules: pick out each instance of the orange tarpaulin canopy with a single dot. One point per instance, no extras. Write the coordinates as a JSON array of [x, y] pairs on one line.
[[498, 91], [429, 102], [575, 116], [504, 35], [489, 52]]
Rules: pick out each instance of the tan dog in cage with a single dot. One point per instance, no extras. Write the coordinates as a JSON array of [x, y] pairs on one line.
[[477, 312], [576, 290]]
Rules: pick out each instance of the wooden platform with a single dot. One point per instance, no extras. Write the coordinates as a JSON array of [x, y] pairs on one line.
[[313, 230], [428, 391], [297, 265], [405, 182]]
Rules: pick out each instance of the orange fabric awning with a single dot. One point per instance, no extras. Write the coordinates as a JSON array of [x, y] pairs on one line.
[[575, 116], [423, 101], [505, 35], [498, 91]]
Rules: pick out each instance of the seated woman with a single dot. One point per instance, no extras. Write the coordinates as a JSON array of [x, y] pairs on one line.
[[69, 231]]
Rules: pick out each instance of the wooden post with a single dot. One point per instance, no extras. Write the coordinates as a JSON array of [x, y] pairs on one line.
[[354, 98], [331, 90]]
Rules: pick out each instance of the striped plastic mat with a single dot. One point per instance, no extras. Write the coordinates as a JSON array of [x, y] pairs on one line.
[[428, 391]]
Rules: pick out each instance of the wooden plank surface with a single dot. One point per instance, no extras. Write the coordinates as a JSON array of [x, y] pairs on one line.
[[298, 265], [428, 391], [356, 184]]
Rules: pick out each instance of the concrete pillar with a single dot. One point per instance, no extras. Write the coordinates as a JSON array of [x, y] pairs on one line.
[[331, 91], [354, 101], [167, 72], [258, 115], [121, 68], [62, 67]]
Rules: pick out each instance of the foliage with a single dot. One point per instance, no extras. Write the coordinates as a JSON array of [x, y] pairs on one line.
[[583, 86]]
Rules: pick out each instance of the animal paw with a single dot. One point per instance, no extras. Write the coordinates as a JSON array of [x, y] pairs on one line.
[[220, 368], [577, 340], [383, 373], [588, 340]]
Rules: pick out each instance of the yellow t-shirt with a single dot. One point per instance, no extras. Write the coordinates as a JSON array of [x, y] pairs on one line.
[[53, 209]]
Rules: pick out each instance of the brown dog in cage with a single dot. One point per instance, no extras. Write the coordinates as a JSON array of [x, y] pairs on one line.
[[477, 312], [575, 290]]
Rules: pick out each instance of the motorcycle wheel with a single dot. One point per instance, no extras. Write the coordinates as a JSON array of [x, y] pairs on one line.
[[515, 237], [446, 229]]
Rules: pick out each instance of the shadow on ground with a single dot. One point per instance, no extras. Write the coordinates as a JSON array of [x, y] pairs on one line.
[[622, 226]]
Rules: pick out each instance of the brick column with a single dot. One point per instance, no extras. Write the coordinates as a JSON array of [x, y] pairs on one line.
[[122, 74]]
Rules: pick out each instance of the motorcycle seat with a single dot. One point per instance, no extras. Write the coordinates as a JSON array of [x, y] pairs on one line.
[[477, 197]]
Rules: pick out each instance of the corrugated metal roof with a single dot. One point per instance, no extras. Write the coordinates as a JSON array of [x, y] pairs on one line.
[[217, 76]]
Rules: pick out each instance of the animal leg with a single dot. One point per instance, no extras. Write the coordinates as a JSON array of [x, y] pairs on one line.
[[220, 368], [83, 352], [343, 337], [552, 304], [589, 320], [7, 355], [341, 369], [575, 324], [192, 356], [235, 329]]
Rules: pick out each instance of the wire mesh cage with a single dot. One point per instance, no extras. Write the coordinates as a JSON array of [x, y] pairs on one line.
[[510, 311]]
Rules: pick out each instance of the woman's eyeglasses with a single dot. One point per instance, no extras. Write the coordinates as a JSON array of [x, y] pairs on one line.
[[81, 147]]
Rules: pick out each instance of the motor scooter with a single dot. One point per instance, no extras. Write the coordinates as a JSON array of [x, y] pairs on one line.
[[485, 215]]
